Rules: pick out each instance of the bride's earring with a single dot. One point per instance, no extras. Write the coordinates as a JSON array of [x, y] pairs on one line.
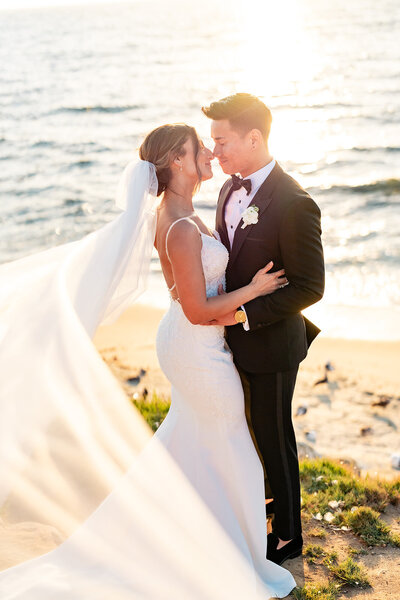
[[181, 168]]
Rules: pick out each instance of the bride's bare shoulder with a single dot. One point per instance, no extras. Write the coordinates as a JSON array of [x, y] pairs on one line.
[[182, 234]]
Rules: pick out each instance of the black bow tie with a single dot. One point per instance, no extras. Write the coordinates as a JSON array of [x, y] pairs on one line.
[[238, 182]]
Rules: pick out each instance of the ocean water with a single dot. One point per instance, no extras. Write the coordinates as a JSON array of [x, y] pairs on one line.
[[81, 86]]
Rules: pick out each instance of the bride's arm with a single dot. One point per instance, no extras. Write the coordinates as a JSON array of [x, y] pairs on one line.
[[184, 248]]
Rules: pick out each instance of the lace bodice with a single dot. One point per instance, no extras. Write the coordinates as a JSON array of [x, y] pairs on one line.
[[214, 258]]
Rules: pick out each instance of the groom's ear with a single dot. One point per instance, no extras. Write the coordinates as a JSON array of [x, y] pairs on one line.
[[256, 138]]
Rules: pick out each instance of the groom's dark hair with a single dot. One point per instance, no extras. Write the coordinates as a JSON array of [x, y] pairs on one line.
[[243, 111]]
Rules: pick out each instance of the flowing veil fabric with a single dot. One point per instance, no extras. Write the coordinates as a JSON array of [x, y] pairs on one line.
[[55, 391], [77, 461]]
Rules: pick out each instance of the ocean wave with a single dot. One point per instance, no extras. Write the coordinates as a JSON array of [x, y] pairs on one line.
[[44, 144], [380, 203], [376, 149], [96, 109], [83, 147], [77, 148], [78, 211], [33, 191], [314, 106], [72, 201], [32, 220], [80, 164], [378, 258], [206, 205], [387, 187], [355, 239]]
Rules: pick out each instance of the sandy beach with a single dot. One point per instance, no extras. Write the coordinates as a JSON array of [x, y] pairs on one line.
[[355, 414]]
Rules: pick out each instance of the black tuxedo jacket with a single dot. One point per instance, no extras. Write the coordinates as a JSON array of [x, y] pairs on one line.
[[288, 232]]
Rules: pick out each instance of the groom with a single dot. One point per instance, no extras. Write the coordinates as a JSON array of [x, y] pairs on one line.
[[268, 336]]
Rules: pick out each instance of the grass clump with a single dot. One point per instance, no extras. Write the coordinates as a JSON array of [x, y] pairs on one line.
[[153, 410], [319, 474], [313, 552], [370, 492], [357, 552], [324, 481], [350, 573], [317, 591], [331, 558], [367, 523], [318, 533]]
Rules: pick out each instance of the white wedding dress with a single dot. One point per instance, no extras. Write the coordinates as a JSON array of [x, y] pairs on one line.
[[179, 515], [206, 431]]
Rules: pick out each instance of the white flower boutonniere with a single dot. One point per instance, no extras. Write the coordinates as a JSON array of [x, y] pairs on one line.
[[250, 216]]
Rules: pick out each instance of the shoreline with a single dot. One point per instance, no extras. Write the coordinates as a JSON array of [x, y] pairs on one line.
[[336, 321], [354, 415]]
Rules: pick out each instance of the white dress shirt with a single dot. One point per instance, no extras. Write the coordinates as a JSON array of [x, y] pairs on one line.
[[239, 201]]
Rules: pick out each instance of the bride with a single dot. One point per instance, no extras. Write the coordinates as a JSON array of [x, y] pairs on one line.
[[199, 478]]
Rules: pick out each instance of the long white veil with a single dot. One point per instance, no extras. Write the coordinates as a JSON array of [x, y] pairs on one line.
[[56, 393], [77, 461]]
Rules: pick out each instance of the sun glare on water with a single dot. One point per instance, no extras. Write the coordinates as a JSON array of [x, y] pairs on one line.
[[281, 60]]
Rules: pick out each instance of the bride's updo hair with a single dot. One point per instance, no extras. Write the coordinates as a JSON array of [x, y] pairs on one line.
[[165, 143]]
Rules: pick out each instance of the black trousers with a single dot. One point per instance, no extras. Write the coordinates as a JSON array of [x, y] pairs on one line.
[[268, 398]]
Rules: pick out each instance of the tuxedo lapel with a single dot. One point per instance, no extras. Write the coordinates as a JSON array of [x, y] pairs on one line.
[[262, 200], [220, 218]]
